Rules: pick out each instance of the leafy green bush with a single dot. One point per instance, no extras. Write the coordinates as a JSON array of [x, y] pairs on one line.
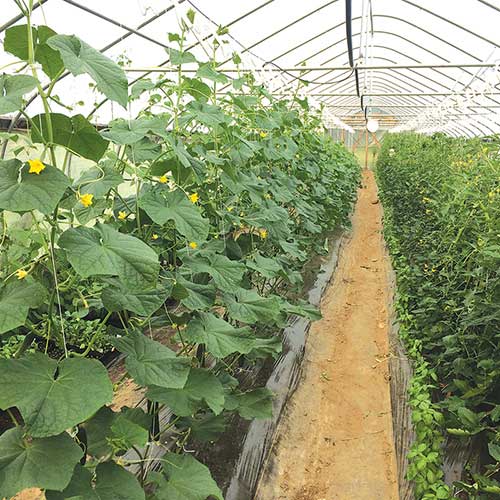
[[192, 223], [441, 199]]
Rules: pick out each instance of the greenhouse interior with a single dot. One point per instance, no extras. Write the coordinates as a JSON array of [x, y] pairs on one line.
[[249, 250]]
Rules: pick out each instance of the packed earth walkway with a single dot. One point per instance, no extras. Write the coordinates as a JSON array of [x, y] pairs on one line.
[[336, 440]]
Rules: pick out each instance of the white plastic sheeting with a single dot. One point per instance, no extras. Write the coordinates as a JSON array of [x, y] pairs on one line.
[[283, 34]]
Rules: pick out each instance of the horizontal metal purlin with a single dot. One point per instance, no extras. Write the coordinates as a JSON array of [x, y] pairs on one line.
[[423, 106], [324, 68], [387, 94]]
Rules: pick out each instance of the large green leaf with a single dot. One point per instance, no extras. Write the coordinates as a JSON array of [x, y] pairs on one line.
[[206, 114], [21, 191], [200, 298], [143, 302], [220, 337], [302, 308], [75, 133], [104, 251], [16, 299], [249, 307], [201, 386], [227, 274], [178, 58], [252, 404], [163, 205], [130, 131], [12, 89], [196, 88], [207, 71], [184, 478], [151, 363], [108, 431], [53, 396], [80, 58], [265, 347], [42, 463], [112, 482], [494, 450], [267, 267], [205, 428], [16, 42], [99, 180], [143, 150]]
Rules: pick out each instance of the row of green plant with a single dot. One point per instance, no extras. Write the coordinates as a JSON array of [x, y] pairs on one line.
[[179, 247], [441, 200]]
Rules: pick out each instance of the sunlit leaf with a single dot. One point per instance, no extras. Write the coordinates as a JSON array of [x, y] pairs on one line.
[[80, 58], [16, 42], [105, 251], [163, 205]]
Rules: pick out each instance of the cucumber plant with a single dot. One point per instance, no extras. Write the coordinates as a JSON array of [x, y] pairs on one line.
[[441, 199], [178, 246]]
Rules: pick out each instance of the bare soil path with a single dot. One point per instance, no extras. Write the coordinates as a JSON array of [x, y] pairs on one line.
[[336, 440]]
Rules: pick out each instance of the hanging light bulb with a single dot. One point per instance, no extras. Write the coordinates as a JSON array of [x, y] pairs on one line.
[[372, 125]]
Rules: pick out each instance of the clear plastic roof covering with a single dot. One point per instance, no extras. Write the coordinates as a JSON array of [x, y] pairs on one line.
[[421, 65]]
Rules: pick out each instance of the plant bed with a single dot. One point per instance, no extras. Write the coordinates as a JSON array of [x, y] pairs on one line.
[[441, 200], [181, 244]]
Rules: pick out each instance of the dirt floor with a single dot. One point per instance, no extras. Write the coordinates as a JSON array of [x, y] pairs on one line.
[[336, 441]]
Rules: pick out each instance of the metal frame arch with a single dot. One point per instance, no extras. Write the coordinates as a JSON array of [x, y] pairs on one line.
[[386, 16]]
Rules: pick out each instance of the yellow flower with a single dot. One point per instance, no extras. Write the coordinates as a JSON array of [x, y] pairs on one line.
[[21, 274], [193, 197], [154, 236], [163, 179], [263, 233], [122, 215], [230, 209], [263, 134], [267, 196], [36, 166], [86, 199], [193, 245]]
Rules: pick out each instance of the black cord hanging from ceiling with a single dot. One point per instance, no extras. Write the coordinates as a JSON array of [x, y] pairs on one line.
[[348, 29]]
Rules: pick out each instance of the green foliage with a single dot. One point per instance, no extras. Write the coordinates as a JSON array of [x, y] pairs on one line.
[[53, 396], [75, 133], [184, 478], [105, 251], [180, 247], [17, 43], [79, 58], [45, 463], [12, 89], [441, 201], [151, 363], [16, 299], [21, 191]]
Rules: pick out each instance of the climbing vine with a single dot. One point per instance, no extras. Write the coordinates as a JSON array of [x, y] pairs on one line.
[[179, 245], [441, 200]]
